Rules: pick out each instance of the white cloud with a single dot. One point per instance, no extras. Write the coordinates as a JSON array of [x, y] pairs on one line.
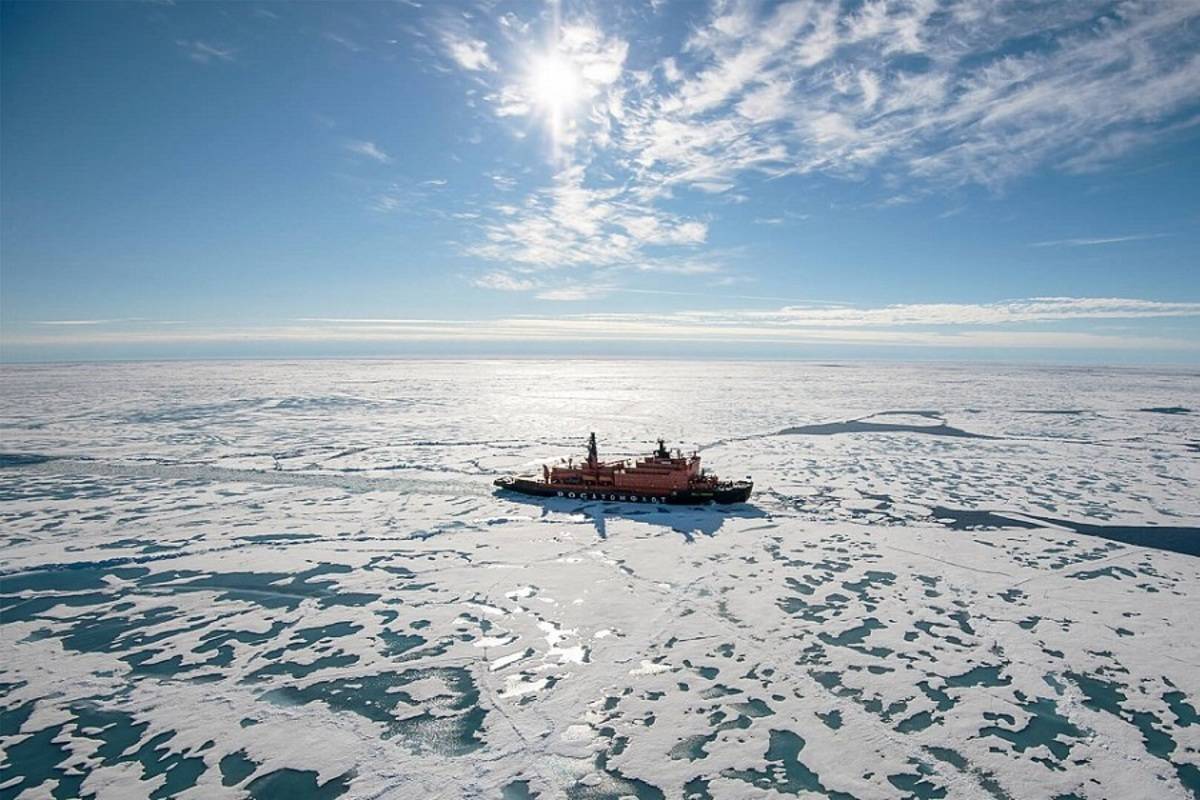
[[571, 225], [671, 71], [1032, 310], [574, 293], [825, 94], [470, 54], [505, 282], [504, 183], [75, 322], [767, 102], [1047, 322], [389, 201], [1089, 242], [368, 150], [869, 85], [343, 41], [203, 52], [712, 187]]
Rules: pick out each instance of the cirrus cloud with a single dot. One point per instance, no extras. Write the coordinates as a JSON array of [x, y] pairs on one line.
[[904, 91]]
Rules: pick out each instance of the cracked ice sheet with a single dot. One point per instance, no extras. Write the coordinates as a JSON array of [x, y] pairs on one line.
[[353, 629]]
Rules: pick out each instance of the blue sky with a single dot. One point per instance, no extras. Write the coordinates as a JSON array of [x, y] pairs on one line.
[[918, 179]]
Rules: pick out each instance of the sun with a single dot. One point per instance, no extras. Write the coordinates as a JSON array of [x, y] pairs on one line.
[[554, 87], [554, 83]]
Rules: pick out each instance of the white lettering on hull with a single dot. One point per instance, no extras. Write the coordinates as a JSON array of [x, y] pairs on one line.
[[632, 498]]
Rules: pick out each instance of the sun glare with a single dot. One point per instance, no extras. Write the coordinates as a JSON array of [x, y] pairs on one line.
[[554, 83], [555, 88]]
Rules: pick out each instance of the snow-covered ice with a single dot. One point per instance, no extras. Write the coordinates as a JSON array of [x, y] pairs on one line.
[[294, 579]]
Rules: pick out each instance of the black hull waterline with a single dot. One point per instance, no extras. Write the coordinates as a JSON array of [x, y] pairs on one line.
[[738, 492]]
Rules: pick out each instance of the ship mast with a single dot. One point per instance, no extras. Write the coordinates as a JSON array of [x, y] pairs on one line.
[[593, 458]]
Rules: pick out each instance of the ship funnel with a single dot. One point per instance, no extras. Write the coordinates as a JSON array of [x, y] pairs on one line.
[[593, 457]]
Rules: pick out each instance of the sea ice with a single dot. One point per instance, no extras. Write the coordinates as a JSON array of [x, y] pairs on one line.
[[257, 579]]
